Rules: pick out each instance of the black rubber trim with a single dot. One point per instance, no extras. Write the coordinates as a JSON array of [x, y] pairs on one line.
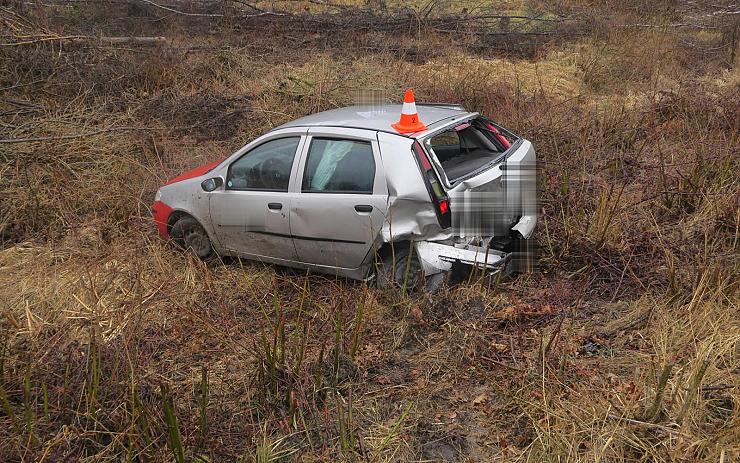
[[338, 192], [306, 238]]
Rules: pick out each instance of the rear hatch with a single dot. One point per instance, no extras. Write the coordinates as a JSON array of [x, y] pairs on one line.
[[488, 174]]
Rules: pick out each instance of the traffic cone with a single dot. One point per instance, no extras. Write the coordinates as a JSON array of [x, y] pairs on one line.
[[409, 121]]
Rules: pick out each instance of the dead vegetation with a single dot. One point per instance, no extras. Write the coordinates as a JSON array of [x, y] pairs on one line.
[[622, 346]]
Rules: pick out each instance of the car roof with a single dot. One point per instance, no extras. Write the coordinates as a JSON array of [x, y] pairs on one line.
[[377, 117]]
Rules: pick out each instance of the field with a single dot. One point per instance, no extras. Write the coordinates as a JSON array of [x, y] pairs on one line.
[[623, 344]]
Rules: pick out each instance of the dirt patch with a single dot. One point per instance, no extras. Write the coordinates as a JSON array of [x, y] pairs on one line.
[[439, 445]]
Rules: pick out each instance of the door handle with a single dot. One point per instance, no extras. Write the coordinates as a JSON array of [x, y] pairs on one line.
[[275, 206], [364, 208]]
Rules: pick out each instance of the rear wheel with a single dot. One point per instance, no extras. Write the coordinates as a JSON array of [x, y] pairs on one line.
[[400, 268], [189, 235]]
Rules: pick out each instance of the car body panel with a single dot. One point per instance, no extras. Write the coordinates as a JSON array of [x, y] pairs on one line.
[[187, 197], [326, 228], [245, 224], [520, 177], [410, 210], [492, 201], [379, 117], [324, 232], [244, 221], [161, 213], [435, 256], [197, 172]]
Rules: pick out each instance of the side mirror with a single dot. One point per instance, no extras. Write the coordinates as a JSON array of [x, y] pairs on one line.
[[212, 183]]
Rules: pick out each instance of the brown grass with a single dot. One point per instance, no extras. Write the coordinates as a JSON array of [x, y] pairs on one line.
[[622, 346]]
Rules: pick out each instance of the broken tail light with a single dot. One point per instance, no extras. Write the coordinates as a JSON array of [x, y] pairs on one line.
[[434, 187]]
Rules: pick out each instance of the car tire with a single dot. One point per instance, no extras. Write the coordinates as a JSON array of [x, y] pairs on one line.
[[189, 235], [401, 266]]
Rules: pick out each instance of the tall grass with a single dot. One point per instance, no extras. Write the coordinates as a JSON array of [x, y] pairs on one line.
[[621, 346]]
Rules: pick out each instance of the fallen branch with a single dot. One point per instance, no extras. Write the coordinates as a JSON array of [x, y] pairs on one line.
[[87, 38], [40, 40], [183, 13], [260, 11], [139, 40], [22, 85], [667, 26], [719, 387], [76, 136], [611, 416]]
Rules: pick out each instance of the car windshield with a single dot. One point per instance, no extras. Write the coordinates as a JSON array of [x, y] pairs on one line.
[[467, 147]]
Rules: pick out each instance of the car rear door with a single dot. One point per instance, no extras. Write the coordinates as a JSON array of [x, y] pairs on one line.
[[341, 199], [250, 213], [491, 178]]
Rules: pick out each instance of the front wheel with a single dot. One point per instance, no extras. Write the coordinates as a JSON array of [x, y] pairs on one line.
[[189, 235], [401, 269]]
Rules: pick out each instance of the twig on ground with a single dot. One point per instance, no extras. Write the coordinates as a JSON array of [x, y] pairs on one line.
[[183, 13], [79, 135]]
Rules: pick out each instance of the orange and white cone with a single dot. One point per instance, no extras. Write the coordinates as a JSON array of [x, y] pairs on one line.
[[409, 121]]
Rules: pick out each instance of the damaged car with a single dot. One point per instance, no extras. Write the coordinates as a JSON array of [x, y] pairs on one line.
[[359, 193]]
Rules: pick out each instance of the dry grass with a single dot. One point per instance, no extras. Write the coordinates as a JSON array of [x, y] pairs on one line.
[[622, 346]]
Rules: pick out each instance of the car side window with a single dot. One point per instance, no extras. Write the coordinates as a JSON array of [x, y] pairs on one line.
[[266, 167], [339, 166]]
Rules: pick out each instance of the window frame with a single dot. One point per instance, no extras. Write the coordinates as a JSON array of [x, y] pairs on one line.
[[514, 139], [296, 153], [337, 192]]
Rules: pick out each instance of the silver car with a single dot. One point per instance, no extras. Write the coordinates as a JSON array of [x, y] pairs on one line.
[[343, 192]]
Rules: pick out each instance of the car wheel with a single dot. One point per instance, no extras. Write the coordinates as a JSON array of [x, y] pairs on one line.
[[402, 270], [189, 235]]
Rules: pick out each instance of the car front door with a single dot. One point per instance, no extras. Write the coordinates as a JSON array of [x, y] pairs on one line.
[[250, 213], [341, 198]]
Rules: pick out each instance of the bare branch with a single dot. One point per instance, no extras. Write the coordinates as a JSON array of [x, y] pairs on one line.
[[183, 13], [76, 136], [260, 11], [87, 38], [667, 26]]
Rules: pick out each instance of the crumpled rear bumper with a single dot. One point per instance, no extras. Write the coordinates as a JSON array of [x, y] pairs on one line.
[[437, 257]]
